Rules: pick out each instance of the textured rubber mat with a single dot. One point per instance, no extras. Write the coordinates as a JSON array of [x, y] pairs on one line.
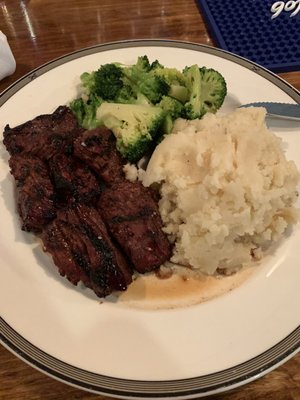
[[251, 29]]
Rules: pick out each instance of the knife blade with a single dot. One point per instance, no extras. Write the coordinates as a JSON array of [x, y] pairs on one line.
[[279, 110]]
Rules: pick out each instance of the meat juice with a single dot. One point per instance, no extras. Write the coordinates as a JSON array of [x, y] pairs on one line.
[[179, 290]]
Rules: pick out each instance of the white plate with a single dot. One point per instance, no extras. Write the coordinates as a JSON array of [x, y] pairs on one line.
[[120, 351]]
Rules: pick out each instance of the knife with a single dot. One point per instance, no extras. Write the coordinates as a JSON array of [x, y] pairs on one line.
[[279, 110]]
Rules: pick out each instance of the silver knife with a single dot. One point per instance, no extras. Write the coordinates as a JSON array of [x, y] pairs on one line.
[[279, 110]]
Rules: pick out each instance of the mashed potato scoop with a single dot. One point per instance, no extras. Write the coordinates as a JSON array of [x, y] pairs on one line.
[[227, 190]]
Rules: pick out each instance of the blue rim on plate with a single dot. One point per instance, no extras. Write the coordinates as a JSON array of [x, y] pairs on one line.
[[125, 388]]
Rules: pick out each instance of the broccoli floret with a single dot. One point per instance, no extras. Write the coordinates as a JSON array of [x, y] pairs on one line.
[[124, 95], [78, 108], [179, 92], [207, 90], [193, 107], [171, 75], [135, 126], [177, 82], [85, 111], [111, 84], [156, 64], [143, 64], [213, 89], [143, 81], [172, 106], [153, 87], [88, 81], [129, 85], [108, 81], [174, 109], [130, 94], [189, 94]]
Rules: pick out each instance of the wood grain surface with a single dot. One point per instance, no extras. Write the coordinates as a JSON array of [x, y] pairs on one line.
[[39, 31]]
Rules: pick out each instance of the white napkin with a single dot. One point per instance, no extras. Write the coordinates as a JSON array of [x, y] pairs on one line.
[[7, 60]]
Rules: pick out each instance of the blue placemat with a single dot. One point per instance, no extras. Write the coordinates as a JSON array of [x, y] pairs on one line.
[[246, 28]]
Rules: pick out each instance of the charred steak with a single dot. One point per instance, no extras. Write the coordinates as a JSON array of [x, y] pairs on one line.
[[133, 219], [97, 148], [128, 209], [72, 191], [43, 136], [35, 194], [83, 251], [73, 180]]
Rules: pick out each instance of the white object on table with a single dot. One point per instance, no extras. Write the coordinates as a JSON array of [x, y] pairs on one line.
[[7, 60]]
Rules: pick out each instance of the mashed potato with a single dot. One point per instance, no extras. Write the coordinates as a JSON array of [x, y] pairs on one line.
[[227, 190]]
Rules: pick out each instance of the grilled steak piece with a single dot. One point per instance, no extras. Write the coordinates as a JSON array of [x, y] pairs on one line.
[[82, 250], [35, 195], [73, 180], [62, 173], [133, 219], [43, 136], [97, 148]]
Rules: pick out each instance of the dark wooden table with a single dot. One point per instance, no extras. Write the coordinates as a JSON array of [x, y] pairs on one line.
[[39, 31]]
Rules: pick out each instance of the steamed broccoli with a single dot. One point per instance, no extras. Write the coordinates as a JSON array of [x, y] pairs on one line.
[[85, 107], [193, 108], [156, 64], [132, 84], [124, 95], [179, 92], [174, 109], [172, 106], [88, 82], [153, 87], [143, 81], [213, 89], [108, 81], [105, 83], [207, 90], [134, 126], [140, 102], [108, 84], [85, 111], [142, 64], [173, 77], [176, 81]]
